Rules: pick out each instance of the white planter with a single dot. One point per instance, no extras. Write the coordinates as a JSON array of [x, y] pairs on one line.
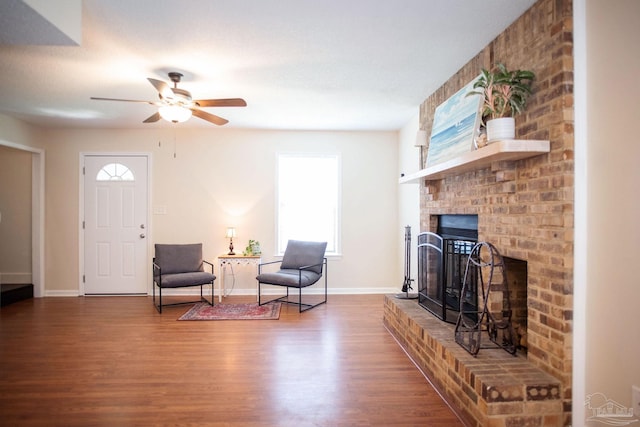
[[502, 128]]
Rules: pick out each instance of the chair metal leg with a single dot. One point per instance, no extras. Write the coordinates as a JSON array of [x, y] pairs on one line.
[[300, 299], [279, 299], [301, 305], [213, 298], [202, 297]]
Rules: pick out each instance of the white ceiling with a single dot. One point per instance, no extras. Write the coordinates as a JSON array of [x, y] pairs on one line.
[[299, 64]]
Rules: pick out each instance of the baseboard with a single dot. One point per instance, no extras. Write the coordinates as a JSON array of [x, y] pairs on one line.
[[243, 291], [62, 293], [361, 291], [277, 290]]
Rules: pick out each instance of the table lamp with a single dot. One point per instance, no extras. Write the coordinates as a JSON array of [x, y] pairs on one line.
[[231, 233]]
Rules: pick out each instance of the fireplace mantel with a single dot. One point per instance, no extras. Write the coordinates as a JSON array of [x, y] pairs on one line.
[[504, 150]]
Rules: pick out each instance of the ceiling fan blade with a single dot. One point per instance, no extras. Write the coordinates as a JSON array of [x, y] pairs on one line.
[[124, 100], [152, 118], [230, 102], [209, 117], [163, 88]]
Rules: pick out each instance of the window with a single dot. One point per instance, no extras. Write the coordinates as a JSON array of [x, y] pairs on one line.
[[115, 172], [308, 200]]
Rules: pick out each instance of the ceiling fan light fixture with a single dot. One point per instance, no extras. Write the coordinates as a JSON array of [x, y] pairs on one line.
[[176, 105], [174, 113]]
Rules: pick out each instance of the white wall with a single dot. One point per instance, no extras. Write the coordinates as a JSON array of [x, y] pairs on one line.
[[607, 296], [409, 196], [226, 177], [15, 131]]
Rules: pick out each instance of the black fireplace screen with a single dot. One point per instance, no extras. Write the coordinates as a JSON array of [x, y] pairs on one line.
[[442, 259]]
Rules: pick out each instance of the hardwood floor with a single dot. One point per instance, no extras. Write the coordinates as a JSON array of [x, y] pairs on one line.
[[114, 361]]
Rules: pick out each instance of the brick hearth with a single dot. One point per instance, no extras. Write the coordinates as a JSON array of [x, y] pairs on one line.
[[493, 389], [525, 207]]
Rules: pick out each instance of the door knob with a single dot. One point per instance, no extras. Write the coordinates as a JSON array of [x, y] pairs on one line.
[[142, 236]]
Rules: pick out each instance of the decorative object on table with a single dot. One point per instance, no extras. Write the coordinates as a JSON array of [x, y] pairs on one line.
[[231, 233], [505, 95], [456, 123], [253, 248], [251, 311]]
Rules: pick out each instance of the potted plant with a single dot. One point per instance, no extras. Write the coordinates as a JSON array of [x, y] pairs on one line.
[[505, 94], [253, 248]]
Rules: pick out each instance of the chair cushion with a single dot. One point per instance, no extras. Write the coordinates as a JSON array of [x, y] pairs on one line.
[[179, 258], [289, 278], [185, 279], [299, 253]]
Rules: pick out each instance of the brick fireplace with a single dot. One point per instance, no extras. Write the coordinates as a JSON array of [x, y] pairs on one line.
[[525, 207]]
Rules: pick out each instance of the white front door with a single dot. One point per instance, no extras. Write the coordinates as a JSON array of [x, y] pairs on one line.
[[115, 224]]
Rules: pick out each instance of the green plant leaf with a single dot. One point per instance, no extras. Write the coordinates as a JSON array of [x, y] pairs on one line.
[[505, 92]]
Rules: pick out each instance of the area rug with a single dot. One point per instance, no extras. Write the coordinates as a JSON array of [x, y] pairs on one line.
[[203, 311]]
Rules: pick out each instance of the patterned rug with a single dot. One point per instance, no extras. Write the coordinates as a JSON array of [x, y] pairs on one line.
[[203, 311]]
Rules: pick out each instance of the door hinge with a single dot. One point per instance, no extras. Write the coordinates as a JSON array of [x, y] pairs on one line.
[[84, 172], [84, 279], [83, 225]]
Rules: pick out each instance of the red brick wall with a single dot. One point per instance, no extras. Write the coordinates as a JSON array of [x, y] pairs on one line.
[[525, 208]]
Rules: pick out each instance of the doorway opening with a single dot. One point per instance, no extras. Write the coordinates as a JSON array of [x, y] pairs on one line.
[[37, 214]]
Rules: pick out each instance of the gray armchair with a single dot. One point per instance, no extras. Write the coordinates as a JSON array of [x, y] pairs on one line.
[[302, 266], [179, 266]]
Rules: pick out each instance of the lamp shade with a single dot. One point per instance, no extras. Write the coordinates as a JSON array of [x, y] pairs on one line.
[[421, 138], [174, 113], [231, 233]]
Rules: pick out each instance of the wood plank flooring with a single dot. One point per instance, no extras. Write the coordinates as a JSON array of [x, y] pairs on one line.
[[114, 361]]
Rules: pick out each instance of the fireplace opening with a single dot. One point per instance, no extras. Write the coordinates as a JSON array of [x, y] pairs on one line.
[[442, 260], [517, 283], [462, 227]]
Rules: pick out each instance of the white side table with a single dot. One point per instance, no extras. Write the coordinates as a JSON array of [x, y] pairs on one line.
[[226, 259]]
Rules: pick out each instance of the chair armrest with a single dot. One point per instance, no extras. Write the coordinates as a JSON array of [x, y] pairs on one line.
[[157, 274], [267, 263], [157, 268], [307, 267], [209, 264], [270, 262]]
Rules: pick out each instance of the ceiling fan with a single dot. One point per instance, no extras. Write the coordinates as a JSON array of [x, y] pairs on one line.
[[176, 105]]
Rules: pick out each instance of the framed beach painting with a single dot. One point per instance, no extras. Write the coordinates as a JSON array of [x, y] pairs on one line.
[[456, 124]]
